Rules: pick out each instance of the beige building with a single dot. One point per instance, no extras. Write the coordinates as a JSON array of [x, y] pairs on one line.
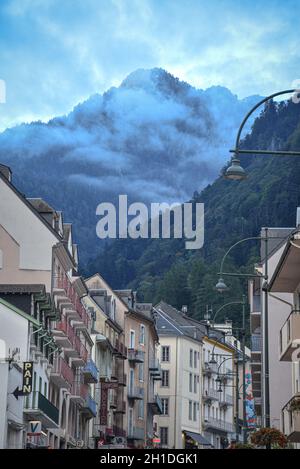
[[279, 307], [285, 280], [129, 327], [36, 248]]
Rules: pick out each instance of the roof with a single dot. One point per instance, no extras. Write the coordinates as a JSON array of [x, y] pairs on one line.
[[286, 276], [40, 205], [22, 289], [16, 310], [170, 321], [29, 205]]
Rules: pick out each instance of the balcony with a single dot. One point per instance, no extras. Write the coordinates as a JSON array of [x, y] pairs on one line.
[[62, 374], [256, 343], [67, 300], [226, 400], [120, 407], [219, 425], [209, 368], [136, 433], [155, 369], [135, 392], [89, 407], [122, 378], [290, 336], [79, 392], [38, 407], [156, 405], [120, 350], [135, 356], [211, 394], [90, 372], [64, 334], [291, 419]]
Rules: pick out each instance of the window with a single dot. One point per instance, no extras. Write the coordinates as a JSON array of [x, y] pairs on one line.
[[164, 436], [165, 379], [190, 410], [191, 383], [195, 411], [1, 259], [191, 358], [141, 371], [132, 339], [195, 383], [195, 359], [142, 334], [131, 379], [165, 406], [141, 409], [165, 353]]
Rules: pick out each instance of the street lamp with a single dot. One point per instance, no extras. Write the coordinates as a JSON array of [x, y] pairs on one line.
[[221, 285], [235, 171]]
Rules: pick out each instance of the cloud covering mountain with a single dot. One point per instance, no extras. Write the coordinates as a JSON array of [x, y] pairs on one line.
[[154, 138]]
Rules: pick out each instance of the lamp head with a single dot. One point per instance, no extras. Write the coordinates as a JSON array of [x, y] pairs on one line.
[[212, 361], [221, 285], [235, 172]]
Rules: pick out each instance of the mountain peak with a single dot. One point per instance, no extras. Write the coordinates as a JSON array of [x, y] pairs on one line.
[[154, 80]]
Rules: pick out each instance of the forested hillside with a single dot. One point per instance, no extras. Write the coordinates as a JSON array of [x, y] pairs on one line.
[[163, 269]]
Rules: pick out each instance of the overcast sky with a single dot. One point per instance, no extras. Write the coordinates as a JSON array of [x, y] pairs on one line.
[[55, 53]]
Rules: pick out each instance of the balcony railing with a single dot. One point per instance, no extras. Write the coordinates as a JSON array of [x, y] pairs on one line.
[[291, 420], [63, 283], [91, 372], [122, 378], [135, 392], [79, 391], [120, 349], [90, 406], [156, 405], [256, 343], [290, 336], [211, 394], [155, 369], [226, 400], [62, 374], [218, 424], [136, 356], [209, 368], [38, 407], [136, 433]]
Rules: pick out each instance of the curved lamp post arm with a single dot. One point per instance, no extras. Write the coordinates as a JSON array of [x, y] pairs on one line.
[[223, 306], [225, 359], [264, 100], [233, 246]]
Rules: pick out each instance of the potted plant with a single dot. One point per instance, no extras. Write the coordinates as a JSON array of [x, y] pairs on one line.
[[269, 438]]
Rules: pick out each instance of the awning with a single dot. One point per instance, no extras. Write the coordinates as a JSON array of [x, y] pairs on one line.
[[198, 438]]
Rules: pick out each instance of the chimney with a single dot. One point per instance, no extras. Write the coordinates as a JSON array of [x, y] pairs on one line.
[[184, 309], [6, 172]]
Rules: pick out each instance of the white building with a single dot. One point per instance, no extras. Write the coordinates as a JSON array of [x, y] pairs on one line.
[[195, 412]]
